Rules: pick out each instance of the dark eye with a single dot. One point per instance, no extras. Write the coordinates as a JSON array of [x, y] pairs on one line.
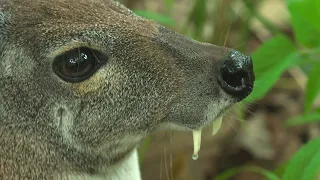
[[78, 64]]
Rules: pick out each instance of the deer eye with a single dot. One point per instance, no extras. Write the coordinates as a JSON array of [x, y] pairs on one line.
[[78, 64]]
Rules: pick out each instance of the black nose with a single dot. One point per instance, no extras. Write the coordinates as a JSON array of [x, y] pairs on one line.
[[236, 75]]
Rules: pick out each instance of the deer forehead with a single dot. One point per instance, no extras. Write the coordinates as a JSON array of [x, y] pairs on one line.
[[39, 21]]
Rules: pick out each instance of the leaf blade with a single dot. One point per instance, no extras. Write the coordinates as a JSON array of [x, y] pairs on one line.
[[313, 169], [270, 61], [303, 119], [233, 171], [300, 160], [162, 19], [313, 87], [305, 15]]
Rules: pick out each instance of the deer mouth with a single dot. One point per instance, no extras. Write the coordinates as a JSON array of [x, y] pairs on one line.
[[197, 136]]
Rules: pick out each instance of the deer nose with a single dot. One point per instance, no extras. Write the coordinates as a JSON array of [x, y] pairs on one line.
[[236, 75]]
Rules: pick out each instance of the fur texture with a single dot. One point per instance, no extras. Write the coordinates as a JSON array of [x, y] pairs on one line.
[[50, 128]]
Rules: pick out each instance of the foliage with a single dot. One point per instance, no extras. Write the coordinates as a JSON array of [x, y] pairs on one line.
[[165, 20], [304, 118], [304, 165], [313, 87], [278, 54], [270, 61], [233, 171]]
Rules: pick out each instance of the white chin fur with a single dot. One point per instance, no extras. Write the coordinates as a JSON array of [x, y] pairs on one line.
[[127, 170]]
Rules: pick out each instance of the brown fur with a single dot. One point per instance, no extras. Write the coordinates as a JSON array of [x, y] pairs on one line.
[[153, 77]]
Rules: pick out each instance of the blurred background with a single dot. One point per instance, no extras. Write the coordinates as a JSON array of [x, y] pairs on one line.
[[274, 133]]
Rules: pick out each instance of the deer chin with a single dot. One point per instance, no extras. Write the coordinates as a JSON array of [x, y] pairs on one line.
[[212, 116]]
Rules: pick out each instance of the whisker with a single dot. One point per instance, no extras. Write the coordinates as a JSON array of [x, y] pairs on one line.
[[161, 164], [165, 161], [171, 166], [248, 110], [232, 126], [229, 116], [245, 107], [227, 35], [252, 101], [222, 19]]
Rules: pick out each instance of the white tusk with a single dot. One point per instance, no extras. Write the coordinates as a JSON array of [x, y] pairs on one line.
[[196, 143], [216, 125]]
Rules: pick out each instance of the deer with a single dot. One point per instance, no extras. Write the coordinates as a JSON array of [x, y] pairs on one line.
[[83, 82]]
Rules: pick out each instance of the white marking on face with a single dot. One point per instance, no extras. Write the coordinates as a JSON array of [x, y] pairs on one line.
[[64, 122], [22, 68]]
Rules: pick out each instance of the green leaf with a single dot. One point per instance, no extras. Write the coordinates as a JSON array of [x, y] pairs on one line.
[[313, 87], [162, 19], [298, 166], [308, 57], [280, 169], [304, 119], [233, 171], [313, 168], [269, 62], [305, 19]]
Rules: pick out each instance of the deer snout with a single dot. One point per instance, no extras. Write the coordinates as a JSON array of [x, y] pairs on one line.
[[236, 75]]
